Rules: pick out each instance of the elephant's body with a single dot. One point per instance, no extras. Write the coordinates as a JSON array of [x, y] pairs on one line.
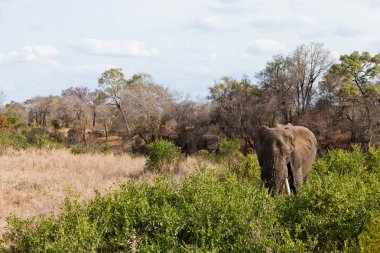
[[285, 152]]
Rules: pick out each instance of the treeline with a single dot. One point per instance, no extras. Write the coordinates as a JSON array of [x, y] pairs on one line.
[[337, 99]]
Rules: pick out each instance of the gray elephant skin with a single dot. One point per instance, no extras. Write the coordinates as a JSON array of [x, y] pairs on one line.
[[286, 154]]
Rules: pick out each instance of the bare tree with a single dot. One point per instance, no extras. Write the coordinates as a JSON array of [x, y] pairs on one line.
[[306, 64], [78, 103]]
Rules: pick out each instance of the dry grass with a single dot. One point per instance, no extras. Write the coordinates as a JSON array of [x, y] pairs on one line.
[[35, 182]]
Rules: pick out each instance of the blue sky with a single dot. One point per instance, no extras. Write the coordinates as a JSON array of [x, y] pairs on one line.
[[50, 45]]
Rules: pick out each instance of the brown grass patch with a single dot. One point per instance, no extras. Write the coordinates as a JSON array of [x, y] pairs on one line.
[[35, 182]]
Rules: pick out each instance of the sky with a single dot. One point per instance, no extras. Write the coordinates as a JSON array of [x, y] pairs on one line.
[[50, 45]]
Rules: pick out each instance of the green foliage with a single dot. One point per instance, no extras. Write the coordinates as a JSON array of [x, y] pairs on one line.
[[161, 154], [246, 166], [80, 149], [227, 87], [12, 139], [346, 162], [369, 239], [336, 211], [42, 138], [4, 122]]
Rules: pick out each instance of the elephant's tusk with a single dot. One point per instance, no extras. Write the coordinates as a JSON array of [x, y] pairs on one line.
[[287, 186], [260, 184]]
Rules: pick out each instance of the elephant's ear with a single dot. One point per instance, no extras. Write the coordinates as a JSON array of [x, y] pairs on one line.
[[288, 138], [259, 141], [305, 144]]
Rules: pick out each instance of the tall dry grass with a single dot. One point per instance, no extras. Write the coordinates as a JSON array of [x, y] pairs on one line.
[[35, 182]]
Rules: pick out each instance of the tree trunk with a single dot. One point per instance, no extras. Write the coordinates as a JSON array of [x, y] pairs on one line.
[[105, 128], [125, 121], [94, 120]]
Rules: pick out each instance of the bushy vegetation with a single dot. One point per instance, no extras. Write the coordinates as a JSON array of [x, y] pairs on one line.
[[88, 149], [33, 137], [161, 154], [337, 210]]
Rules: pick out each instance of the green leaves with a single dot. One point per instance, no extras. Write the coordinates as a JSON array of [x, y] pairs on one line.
[[162, 154], [337, 210]]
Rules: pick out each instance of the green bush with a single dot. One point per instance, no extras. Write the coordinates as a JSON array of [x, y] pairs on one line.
[[42, 138], [369, 239], [204, 212], [12, 139], [79, 149], [90, 149], [345, 161], [161, 154]]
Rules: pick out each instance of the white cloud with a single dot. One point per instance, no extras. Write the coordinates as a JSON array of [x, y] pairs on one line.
[[280, 23], [29, 54], [207, 22], [266, 46], [216, 22], [117, 48]]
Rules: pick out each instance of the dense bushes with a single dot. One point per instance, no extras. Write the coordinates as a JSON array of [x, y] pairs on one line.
[[161, 154], [34, 137], [337, 210]]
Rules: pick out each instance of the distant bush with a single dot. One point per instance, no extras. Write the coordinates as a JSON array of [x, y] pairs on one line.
[[80, 149], [15, 121], [90, 149], [12, 139], [42, 138], [74, 136], [161, 154]]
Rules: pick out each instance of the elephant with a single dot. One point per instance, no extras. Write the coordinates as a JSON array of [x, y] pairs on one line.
[[286, 154]]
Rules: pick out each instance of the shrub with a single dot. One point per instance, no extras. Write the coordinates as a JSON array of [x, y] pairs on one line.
[[90, 149], [346, 162], [161, 154], [105, 148], [12, 139], [41, 138], [369, 239], [15, 121], [4, 122], [79, 149], [74, 136], [203, 212]]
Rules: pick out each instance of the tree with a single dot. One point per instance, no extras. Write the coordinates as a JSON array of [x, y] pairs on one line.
[[239, 108], [289, 82], [362, 88], [78, 103], [96, 98], [40, 108], [114, 85], [276, 83], [306, 64], [146, 102]]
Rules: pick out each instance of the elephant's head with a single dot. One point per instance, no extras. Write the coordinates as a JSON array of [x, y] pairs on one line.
[[285, 154], [274, 147]]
